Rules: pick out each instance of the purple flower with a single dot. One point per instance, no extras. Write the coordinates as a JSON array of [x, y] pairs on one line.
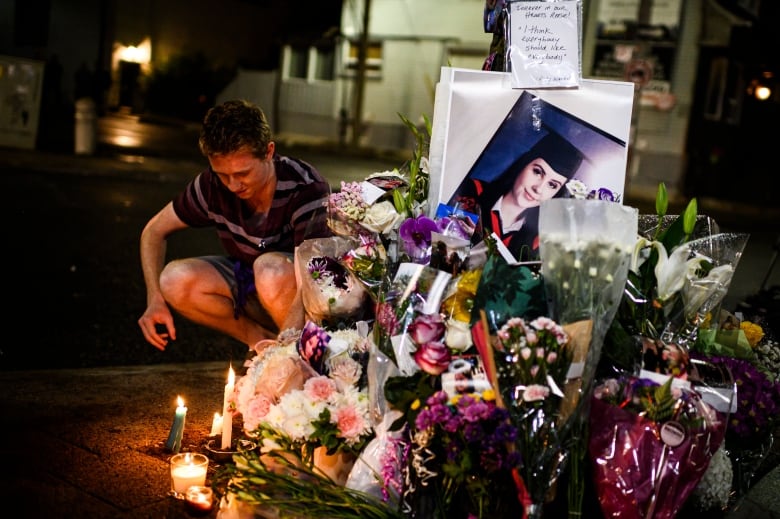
[[603, 193], [325, 267], [416, 235], [758, 400]]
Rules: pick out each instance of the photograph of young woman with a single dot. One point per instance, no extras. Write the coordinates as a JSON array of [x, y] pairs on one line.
[[509, 204]]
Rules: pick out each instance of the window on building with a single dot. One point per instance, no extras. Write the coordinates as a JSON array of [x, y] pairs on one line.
[[324, 63], [373, 59], [298, 65], [310, 63]]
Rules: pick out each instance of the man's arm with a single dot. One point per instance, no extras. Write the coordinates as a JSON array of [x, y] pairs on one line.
[[153, 249]]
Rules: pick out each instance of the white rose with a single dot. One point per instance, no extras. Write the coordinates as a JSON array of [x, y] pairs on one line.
[[577, 188], [458, 335], [381, 217]]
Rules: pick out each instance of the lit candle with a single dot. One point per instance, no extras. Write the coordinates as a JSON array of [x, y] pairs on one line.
[[216, 425], [199, 499], [177, 429], [188, 469], [227, 416]]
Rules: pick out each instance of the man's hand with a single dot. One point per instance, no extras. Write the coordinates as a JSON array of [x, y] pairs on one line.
[[157, 325]]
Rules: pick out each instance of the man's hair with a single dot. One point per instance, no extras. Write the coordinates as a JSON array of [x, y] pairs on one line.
[[233, 126]]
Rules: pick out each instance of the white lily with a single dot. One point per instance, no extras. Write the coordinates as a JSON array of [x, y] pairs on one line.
[[670, 271], [701, 294], [640, 253]]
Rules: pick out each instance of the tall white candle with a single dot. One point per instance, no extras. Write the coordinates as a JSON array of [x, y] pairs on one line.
[[227, 416], [216, 425]]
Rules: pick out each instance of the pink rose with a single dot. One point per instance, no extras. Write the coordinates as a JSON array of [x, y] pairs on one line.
[[427, 328], [433, 357]]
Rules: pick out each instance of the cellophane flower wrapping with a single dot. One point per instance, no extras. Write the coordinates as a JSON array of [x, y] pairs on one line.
[[531, 361], [369, 262], [710, 266], [650, 444], [329, 291], [460, 459], [415, 289], [585, 247], [713, 493]]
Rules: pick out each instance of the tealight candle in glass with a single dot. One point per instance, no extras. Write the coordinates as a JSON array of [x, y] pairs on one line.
[[199, 499], [187, 469]]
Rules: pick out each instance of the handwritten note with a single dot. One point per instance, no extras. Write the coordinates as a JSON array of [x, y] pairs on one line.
[[545, 45]]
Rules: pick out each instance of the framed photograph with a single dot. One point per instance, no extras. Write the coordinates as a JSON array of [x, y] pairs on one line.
[[491, 141]]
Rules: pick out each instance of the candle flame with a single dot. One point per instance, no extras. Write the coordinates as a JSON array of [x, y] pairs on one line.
[[180, 401], [231, 376]]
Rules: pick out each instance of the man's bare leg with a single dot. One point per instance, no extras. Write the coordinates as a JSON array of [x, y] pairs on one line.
[[196, 291], [278, 291]]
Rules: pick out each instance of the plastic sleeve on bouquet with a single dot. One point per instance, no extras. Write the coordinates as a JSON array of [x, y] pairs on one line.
[[646, 469]]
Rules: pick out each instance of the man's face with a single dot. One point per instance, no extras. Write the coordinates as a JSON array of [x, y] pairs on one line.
[[242, 172]]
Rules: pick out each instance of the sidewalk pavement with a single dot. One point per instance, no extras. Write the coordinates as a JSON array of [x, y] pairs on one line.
[[91, 442]]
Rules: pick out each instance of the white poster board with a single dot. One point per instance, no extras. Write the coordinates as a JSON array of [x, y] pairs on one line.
[[472, 105], [481, 126]]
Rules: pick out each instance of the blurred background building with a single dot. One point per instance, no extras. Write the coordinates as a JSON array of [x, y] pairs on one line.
[[342, 70]]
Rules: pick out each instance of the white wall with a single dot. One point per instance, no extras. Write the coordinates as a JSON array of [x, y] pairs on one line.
[[419, 37], [460, 19]]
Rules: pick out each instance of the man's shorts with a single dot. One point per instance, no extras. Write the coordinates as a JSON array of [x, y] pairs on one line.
[[241, 280]]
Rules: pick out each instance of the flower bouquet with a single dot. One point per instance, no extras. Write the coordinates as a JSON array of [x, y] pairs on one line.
[[680, 270], [453, 454], [378, 205], [329, 291], [531, 362], [754, 416], [650, 444], [585, 250], [461, 460], [309, 397]]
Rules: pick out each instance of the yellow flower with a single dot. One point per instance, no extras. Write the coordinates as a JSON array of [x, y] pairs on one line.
[[488, 395], [415, 405], [458, 304], [753, 332]]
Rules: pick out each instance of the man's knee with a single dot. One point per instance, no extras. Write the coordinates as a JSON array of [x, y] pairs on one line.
[[274, 269], [175, 279]]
